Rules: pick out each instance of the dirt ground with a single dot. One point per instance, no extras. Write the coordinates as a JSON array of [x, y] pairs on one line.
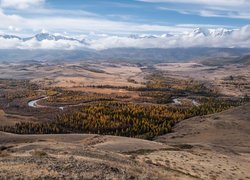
[[231, 80], [77, 74], [219, 144], [10, 119]]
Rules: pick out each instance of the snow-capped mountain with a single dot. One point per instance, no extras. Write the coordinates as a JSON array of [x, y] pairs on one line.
[[200, 37], [166, 35], [199, 32], [142, 36], [10, 37], [220, 32], [51, 37], [149, 36], [44, 36]]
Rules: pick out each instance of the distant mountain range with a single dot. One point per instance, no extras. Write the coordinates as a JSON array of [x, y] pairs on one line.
[[201, 44], [198, 32], [200, 37], [221, 32], [131, 55], [42, 37]]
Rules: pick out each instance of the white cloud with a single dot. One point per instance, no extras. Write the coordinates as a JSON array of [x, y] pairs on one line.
[[21, 4], [34, 44], [208, 8], [80, 25], [13, 29], [211, 26], [212, 12], [224, 3]]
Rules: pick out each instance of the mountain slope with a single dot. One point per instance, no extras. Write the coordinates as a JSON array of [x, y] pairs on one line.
[[229, 129]]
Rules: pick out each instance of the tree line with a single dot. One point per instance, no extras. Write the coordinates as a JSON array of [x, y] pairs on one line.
[[122, 119]]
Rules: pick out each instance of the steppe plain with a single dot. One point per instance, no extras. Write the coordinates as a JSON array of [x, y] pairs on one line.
[[213, 146]]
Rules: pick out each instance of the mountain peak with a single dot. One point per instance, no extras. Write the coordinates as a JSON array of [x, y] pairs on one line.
[[45, 36], [200, 32]]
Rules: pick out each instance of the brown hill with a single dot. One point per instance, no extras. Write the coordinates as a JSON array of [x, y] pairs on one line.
[[210, 147]]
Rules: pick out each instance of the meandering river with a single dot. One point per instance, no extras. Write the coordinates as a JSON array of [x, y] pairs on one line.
[[178, 102], [35, 104]]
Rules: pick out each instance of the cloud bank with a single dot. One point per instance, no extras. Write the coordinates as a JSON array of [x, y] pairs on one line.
[[21, 4], [200, 37]]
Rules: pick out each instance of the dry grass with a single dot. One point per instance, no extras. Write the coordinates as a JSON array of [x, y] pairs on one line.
[[9, 119], [40, 153], [216, 76], [4, 154]]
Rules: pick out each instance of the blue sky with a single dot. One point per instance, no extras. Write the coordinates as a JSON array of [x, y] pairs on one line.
[[167, 13], [120, 16]]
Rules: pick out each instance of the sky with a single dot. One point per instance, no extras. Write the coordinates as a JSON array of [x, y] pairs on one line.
[[75, 17], [104, 24]]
